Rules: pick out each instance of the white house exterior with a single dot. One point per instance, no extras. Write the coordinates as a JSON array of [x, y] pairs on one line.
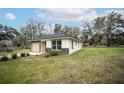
[[62, 43]]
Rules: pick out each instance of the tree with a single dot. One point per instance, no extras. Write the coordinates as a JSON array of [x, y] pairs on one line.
[[7, 36], [33, 30], [99, 28], [97, 38], [57, 28], [108, 25], [72, 31], [7, 33], [86, 32], [113, 22], [40, 29]]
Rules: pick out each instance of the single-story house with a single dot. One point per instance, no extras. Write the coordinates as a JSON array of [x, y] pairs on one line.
[[62, 43]]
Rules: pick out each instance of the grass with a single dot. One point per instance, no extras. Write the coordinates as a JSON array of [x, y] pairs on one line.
[[89, 65], [15, 51]]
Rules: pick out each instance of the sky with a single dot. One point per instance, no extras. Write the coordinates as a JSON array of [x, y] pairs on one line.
[[18, 17]]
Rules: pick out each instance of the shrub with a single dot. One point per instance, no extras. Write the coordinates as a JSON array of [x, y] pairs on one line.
[[54, 53], [9, 50], [51, 53], [14, 56], [28, 54], [23, 55], [4, 58]]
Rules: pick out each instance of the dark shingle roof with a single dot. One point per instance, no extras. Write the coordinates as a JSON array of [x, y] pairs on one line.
[[55, 36]]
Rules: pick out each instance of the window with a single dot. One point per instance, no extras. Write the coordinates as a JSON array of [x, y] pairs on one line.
[[72, 45], [53, 44], [56, 44], [59, 45]]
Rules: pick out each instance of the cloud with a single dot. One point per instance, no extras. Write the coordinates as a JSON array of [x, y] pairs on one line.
[[67, 14], [10, 16], [107, 11]]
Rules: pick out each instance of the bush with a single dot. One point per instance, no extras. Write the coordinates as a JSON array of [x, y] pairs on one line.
[[51, 53], [9, 50], [28, 54], [14, 56], [54, 53], [23, 55], [4, 58]]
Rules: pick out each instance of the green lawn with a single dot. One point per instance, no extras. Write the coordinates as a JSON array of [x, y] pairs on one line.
[[89, 65], [14, 51]]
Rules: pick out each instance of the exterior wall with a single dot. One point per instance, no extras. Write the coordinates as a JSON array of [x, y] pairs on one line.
[[35, 47], [66, 46], [65, 43], [41, 46], [64, 51], [48, 44], [76, 46]]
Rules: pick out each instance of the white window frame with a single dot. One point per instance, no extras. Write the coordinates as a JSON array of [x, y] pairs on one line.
[[56, 49]]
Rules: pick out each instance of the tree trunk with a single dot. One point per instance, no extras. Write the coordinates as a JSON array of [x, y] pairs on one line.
[[108, 41]]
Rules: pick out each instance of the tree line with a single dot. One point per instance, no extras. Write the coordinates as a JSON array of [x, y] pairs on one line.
[[108, 30], [104, 30], [7, 34]]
